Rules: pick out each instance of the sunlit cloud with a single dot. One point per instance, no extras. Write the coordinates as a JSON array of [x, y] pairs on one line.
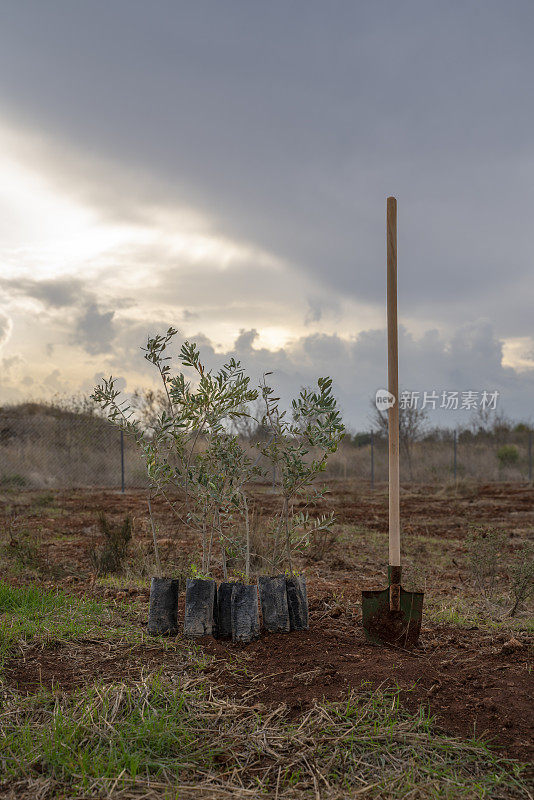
[[47, 233], [518, 353], [43, 233]]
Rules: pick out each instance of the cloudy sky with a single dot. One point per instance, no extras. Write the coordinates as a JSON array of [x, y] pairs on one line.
[[223, 167]]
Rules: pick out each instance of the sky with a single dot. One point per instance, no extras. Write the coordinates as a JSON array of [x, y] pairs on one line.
[[223, 167]]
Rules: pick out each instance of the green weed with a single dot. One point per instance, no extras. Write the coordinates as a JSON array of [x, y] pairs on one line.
[[27, 612], [44, 500]]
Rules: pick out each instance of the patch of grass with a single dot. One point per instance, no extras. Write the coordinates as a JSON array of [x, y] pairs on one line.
[[102, 732], [407, 756], [441, 568], [505, 581], [169, 736], [27, 612], [31, 613], [51, 511], [44, 500], [154, 736], [122, 582], [24, 548], [466, 612]]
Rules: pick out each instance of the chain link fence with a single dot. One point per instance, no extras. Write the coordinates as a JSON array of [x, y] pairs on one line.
[[442, 459], [64, 450], [55, 449]]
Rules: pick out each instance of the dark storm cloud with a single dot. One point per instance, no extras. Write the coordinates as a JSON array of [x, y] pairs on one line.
[[53, 293], [6, 326], [94, 330], [289, 123]]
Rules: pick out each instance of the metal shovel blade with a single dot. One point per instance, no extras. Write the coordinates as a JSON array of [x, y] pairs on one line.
[[383, 626]]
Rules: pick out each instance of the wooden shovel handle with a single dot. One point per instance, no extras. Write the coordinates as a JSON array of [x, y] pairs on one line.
[[393, 385]]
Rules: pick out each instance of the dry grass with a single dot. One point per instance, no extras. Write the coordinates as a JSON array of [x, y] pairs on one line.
[[159, 739], [432, 462]]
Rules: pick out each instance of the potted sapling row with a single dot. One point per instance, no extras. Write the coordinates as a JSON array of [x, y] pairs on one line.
[[298, 451], [185, 450]]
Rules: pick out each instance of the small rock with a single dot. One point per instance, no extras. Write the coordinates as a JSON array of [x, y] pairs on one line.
[[166, 542], [512, 645]]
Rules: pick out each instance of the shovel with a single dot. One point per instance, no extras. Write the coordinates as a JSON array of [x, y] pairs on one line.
[[392, 615]]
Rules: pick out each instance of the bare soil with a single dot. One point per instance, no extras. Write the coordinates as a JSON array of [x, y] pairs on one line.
[[472, 681], [475, 681]]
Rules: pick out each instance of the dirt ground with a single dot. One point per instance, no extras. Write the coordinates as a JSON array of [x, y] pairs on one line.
[[475, 679]]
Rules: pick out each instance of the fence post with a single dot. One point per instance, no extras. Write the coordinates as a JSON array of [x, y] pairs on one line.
[[455, 454], [122, 461], [530, 456], [372, 462]]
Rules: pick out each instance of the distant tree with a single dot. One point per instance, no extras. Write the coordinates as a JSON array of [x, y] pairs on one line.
[[250, 427], [357, 438], [482, 420], [148, 405], [412, 424], [490, 423]]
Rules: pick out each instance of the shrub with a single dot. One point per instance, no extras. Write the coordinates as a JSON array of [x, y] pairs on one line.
[[508, 455], [25, 546], [510, 581], [13, 480], [190, 446], [522, 576], [485, 548], [44, 500], [110, 557]]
